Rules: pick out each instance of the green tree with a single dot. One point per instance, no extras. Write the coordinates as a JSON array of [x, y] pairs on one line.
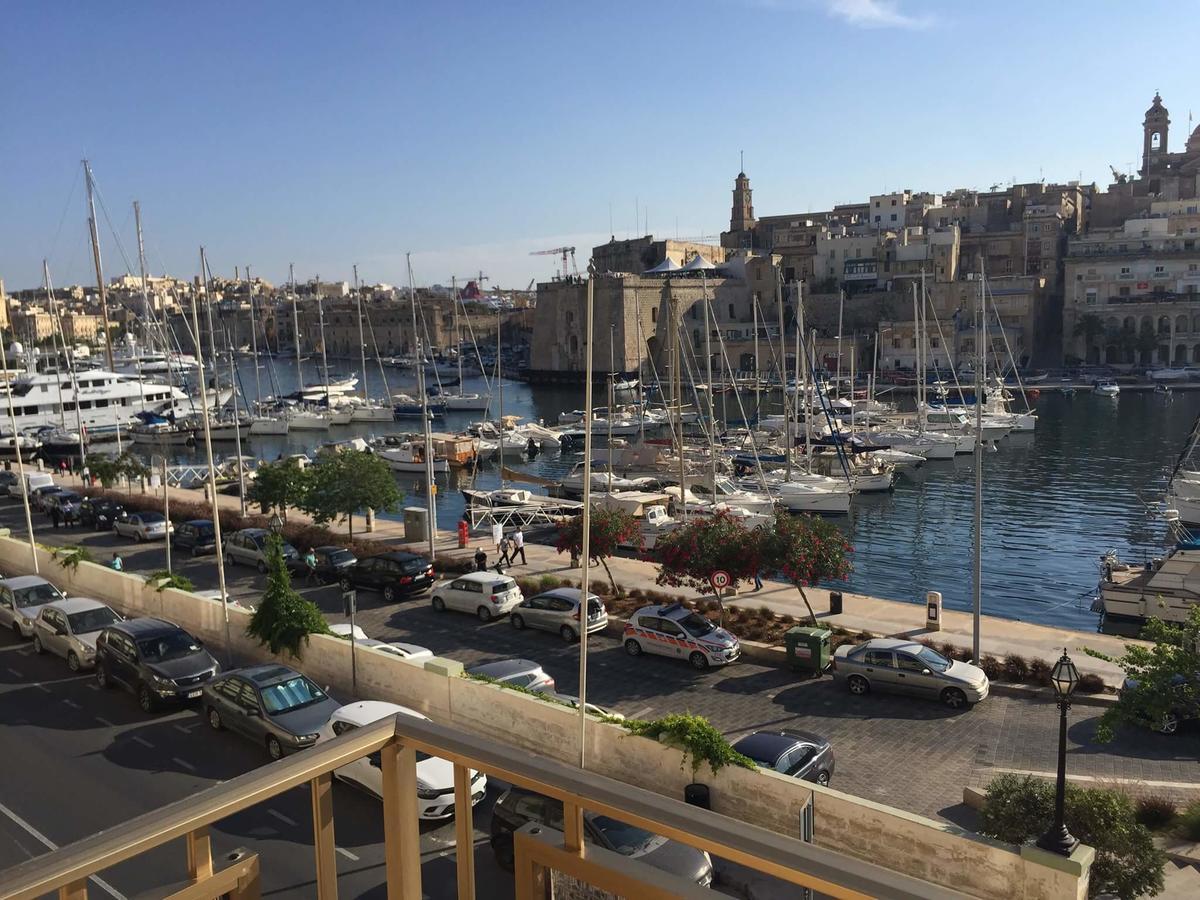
[[104, 467], [690, 554], [347, 481], [610, 530], [805, 550], [1128, 865], [279, 485], [1159, 671], [283, 619]]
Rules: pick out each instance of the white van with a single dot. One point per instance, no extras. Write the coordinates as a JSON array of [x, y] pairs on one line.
[[33, 481]]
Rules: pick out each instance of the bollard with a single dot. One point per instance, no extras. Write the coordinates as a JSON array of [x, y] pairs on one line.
[[462, 534], [370, 519], [933, 611]]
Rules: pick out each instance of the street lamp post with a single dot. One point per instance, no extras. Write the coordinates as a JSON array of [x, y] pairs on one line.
[[275, 523], [1064, 678]]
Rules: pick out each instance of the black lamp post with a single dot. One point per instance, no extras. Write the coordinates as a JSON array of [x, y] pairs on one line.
[[275, 523], [1064, 678]]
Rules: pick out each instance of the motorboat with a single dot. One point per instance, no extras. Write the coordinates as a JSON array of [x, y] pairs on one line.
[[1107, 388], [603, 480], [517, 498], [1165, 588], [731, 494], [955, 421], [1168, 374], [409, 456], [465, 402], [26, 442], [899, 458], [928, 445], [805, 497], [268, 425], [373, 411]]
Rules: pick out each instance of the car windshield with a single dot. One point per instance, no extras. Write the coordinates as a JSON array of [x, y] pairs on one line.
[[92, 619], [37, 594], [288, 549], [499, 587], [174, 645], [337, 557], [412, 566], [695, 624], [625, 839], [933, 659], [294, 693]]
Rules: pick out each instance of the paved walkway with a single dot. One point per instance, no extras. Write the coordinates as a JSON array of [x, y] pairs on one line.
[[999, 637]]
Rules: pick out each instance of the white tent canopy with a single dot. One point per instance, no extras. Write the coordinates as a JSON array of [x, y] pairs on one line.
[[667, 265], [698, 264]]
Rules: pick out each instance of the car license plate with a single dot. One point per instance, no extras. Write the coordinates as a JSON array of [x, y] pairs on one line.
[[192, 695]]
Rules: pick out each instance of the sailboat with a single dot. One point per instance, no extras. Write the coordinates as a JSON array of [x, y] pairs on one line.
[[462, 401]]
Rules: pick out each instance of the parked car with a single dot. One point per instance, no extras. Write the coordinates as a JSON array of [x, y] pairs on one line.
[[8, 478], [142, 526], [396, 574], [411, 652], [519, 672], [69, 628], [906, 667], [485, 594], [22, 598], [1184, 708], [272, 705], [796, 753], [558, 611], [435, 777], [67, 503], [33, 481], [249, 546], [517, 807], [195, 536], [39, 496], [345, 631], [674, 630], [573, 702], [153, 659], [100, 512], [331, 562]]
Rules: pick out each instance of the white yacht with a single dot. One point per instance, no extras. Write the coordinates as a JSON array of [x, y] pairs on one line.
[[955, 421], [1164, 589], [929, 445], [409, 456], [106, 399]]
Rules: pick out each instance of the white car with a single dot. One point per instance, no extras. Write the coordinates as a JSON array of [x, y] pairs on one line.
[[676, 631], [68, 628], [395, 648], [435, 777], [143, 526], [485, 594], [22, 598]]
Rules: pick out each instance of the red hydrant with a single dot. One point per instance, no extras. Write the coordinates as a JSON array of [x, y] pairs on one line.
[[462, 533]]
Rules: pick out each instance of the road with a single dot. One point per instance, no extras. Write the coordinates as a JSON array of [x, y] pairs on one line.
[[78, 760]]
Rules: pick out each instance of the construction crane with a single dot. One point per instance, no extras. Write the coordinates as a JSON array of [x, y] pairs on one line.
[[563, 252]]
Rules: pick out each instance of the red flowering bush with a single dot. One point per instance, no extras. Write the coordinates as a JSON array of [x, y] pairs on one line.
[[690, 554], [806, 550], [610, 530]]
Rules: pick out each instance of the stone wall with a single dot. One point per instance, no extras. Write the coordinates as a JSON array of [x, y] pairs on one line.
[[934, 851]]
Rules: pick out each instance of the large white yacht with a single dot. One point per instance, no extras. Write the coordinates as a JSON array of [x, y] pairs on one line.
[[105, 399]]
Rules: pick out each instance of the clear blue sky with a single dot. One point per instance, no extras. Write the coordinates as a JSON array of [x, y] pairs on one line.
[[471, 133]]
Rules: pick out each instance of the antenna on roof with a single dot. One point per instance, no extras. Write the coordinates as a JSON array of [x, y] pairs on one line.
[[742, 161]]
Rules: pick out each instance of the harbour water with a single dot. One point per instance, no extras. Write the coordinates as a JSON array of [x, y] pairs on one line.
[[1086, 482]]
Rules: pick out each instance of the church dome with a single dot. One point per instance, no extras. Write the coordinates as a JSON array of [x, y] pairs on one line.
[[1156, 107]]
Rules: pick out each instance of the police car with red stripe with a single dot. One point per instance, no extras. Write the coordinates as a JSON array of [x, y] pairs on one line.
[[677, 631]]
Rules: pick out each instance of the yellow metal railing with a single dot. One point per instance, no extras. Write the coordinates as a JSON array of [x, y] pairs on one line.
[[538, 850]]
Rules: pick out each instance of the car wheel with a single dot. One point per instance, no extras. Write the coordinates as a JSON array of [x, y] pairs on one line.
[[229, 556], [439, 605], [485, 614], [698, 660], [262, 567], [138, 536], [1169, 723], [567, 633], [517, 621], [954, 698], [102, 677], [214, 719], [389, 594], [274, 748], [72, 661], [37, 644], [145, 699], [633, 648], [858, 685], [505, 858], [345, 584]]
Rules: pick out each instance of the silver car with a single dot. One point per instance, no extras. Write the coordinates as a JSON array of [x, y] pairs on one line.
[[21, 599], [906, 667], [249, 547], [68, 628], [558, 610], [517, 672], [143, 526]]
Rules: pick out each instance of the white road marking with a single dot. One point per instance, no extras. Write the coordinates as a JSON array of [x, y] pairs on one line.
[[346, 853], [12, 671], [141, 740], [93, 686], [282, 818], [641, 712], [71, 703], [186, 729], [183, 763], [105, 722], [50, 845], [42, 687]]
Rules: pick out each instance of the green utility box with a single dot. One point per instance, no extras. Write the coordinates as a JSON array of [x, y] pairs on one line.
[[807, 648]]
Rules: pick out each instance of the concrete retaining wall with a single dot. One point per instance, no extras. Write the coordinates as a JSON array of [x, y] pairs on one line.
[[905, 843]]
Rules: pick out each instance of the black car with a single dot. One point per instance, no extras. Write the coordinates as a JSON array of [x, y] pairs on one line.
[[795, 753], [517, 807], [1184, 707], [396, 574], [100, 512], [154, 659], [196, 536], [332, 562]]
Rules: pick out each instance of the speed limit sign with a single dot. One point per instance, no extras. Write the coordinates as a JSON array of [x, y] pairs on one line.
[[719, 580]]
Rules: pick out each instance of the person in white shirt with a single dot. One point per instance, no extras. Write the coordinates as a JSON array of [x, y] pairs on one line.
[[518, 541]]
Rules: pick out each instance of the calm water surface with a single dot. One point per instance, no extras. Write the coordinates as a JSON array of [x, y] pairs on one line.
[[1054, 501]]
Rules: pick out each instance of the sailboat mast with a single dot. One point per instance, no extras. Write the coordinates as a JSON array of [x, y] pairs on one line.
[[841, 305], [979, 364], [712, 394], [295, 326], [100, 287], [500, 397], [802, 373], [788, 426], [917, 357], [362, 342], [754, 309], [324, 353], [457, 332], [677, 393], [137, 218], [430, 486], [253, 348]]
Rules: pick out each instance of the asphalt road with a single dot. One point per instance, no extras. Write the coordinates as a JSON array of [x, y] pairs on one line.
[[77, 763]]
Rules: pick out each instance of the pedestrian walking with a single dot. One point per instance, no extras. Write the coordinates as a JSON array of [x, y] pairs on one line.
[[518, 545], [757, 580], [69, 516], [117, 563], [480, 560], [55, 515], [62, 467], [505, 548]]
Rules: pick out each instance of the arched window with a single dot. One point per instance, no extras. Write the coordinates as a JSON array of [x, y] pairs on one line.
[[653, 314], [1147, 326], [1155, 140], [1164, 325], [1181, 323], [1130, 324]]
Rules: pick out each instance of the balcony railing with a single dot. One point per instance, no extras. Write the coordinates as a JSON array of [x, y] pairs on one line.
[[540, 852]]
